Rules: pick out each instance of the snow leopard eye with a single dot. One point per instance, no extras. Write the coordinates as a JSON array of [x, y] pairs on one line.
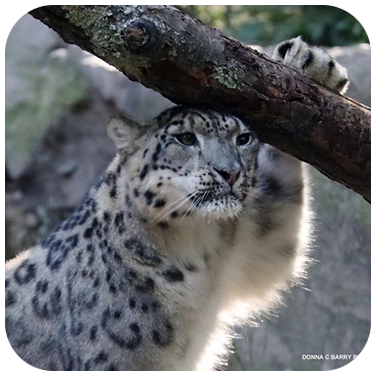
[[188, 139], [244, 139]]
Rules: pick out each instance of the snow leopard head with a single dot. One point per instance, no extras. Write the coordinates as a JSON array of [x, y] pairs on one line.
[[188, 162]]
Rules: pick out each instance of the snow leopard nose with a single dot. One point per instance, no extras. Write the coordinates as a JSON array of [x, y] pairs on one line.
[[230, 175]]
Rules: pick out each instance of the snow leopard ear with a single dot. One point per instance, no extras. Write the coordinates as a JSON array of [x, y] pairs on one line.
[[125, 133]]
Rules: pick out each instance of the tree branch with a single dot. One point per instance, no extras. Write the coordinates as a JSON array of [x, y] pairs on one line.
[[191, 63]]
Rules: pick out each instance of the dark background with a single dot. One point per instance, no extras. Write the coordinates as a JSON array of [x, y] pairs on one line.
[[58, 100], [270, 24]]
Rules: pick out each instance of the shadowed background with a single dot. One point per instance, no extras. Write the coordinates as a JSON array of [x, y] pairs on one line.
[[58, 100]]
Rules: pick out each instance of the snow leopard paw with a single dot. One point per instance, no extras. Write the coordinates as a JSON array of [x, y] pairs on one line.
[[313, 62]]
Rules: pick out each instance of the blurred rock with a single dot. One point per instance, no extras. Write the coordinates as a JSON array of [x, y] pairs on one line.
[[40, 86], [357, 60], [58, 100], [28, 43]]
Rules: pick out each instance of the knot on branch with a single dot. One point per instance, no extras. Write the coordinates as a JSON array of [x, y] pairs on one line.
[[141, 36]]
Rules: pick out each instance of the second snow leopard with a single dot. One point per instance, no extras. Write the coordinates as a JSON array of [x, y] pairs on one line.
[[194, 226]]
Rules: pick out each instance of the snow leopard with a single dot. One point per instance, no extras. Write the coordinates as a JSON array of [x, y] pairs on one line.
[[194, 227]]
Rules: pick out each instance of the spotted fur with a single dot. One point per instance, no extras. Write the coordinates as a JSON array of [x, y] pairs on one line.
[[195, 226], [313, 62]]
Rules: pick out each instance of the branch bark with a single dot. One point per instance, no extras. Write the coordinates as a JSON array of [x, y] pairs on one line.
[[191, 63]]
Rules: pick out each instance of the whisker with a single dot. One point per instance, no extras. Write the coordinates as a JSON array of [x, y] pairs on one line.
[[196, 202], [166, 208], [176, 207], [202, 199], [207, 194], [190, 207]]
